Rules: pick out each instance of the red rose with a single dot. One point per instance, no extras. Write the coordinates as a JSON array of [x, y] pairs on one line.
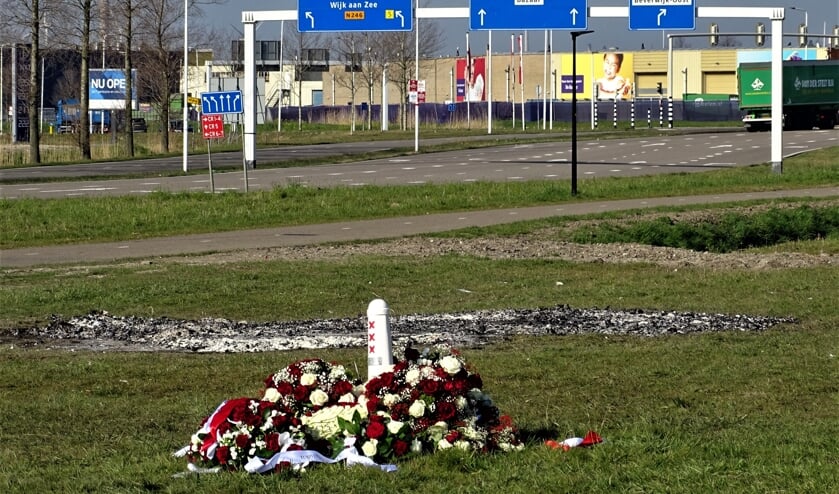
[[340, 389], [372, 404], [446, 411], [429, 386], [452, 436], [272, 442], [242, 440], [284, 388], [400, 447], [387, 379], [375, 430], [295, 447], [223, 455], [301, 393], [400, 411]]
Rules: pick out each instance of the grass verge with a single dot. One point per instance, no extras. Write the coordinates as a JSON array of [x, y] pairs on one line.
[[34, 222]]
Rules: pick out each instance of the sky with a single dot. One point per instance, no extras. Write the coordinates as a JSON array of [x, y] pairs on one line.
[[821, 15]]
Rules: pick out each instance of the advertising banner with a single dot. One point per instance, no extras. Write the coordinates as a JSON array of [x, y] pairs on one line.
[[612, 73], [471, 83], [107, 89]]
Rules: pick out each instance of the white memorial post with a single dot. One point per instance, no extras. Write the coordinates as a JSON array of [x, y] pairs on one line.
[[379, 352]]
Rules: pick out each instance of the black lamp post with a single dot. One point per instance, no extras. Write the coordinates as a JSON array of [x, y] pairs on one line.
[[574, 36]]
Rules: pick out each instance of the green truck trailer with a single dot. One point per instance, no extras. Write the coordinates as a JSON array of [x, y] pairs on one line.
[[810, 94]]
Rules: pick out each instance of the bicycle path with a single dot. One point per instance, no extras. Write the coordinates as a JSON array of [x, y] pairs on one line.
[[362, 230]]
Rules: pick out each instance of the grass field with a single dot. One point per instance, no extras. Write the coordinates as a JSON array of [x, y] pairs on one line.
[[711, 413]]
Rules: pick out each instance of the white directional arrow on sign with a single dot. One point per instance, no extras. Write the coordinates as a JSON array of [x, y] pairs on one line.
[[661, 13], [574, 13], [401, 17], [483, 14], [311, 18]]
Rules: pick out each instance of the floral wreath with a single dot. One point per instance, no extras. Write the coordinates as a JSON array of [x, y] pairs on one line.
[[315, 411]]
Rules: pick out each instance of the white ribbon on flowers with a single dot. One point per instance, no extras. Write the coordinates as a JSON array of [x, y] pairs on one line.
[[304, 457]]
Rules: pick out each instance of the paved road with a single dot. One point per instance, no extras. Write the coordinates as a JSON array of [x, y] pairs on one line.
[[538, 161], [349, 231]]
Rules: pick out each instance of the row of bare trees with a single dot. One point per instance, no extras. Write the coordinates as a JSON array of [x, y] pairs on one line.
[[369, 55], [146, 33]]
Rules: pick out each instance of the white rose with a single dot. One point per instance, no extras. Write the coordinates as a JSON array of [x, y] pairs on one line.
[[464, 445], [347, 398], [369, 448], [412, 376], [308, 379], [390, 399], [443, 444], [318, 397], [272, 395], [417, 409], [394, 426], [450, 364]]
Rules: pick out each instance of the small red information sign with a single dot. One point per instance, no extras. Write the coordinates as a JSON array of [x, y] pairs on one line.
[[212, 126]]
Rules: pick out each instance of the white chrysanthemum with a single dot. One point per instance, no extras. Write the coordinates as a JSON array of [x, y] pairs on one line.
[[412, 376], [443, 444], [337, 373], [416, 446], [464, 445]]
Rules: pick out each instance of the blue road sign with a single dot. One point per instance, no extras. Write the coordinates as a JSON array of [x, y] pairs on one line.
[[364, 15], [221, 102], [661, 15], [528, 14]]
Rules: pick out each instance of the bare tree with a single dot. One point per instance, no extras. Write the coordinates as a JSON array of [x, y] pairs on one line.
[[158, 25], [27, 15], [75, 38], [305, 48], [127, 13], [400, 51]]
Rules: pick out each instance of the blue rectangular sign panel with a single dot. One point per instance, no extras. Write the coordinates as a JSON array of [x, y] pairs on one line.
[[106, 89], [365, 15], [221, 102], [567, 83], [528, 14], [655, 15]]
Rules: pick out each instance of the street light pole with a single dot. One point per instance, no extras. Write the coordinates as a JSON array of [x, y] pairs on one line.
[[186, 88], [574, 36]]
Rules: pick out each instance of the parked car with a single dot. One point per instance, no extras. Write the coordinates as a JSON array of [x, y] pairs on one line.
[[139, 125], [178, 126]]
